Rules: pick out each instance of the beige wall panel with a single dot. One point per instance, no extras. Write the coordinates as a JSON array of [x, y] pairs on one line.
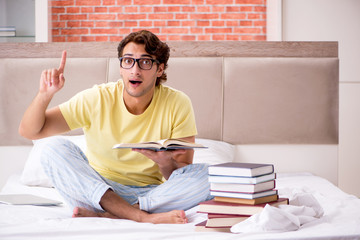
[[20, 81], [114, 70], [281, 100], [201, 80]]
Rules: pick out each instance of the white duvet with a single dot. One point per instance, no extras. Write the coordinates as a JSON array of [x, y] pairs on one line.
[[341, 219]]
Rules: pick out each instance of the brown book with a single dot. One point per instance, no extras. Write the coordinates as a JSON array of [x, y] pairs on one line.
[[213, 206], [254, 201], [201, 227], [224, 220]]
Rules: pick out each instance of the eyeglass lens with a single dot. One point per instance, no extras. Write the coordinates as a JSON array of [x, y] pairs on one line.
[[143, 63]]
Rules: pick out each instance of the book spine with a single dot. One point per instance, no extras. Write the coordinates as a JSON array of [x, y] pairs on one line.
[[243, 195], [7, 34], [241, 180]]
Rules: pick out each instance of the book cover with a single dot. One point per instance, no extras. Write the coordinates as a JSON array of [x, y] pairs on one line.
[[163, 145], [224, 220], [7, 28], [243, 195], [254, 201], [244, 188], [242, 180], [241, 169], [224, 215], [7, 33], [201, 227], [213, 206], [27, 199]]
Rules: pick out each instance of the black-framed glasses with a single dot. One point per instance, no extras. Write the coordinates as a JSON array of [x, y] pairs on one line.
[[143, 63]]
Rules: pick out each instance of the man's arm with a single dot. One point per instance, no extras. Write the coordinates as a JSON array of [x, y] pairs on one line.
[[38, 122], [168, 161]]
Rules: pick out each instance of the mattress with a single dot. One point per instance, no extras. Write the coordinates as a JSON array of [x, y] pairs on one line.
[[341, 219]]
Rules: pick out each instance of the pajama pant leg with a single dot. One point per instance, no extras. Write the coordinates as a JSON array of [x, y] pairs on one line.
[[186, 187], [76, 181]]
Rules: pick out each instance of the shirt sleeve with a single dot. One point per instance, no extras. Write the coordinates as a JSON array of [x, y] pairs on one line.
[[184, 124], [77, 111]]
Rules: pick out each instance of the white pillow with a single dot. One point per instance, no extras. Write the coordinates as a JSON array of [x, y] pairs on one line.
[[217, 152], [33, 173]]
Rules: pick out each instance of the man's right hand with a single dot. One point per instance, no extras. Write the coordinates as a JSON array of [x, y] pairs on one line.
[[38, 121], [52, 80]]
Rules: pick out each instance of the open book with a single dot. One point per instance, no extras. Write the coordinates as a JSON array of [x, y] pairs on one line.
[[163, 145]]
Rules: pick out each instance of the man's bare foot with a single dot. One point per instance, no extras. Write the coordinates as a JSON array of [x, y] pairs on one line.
[[175, 216], [83, 212]]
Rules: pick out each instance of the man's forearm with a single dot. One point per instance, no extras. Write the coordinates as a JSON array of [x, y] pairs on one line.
[[177, 161], [167, 170], [34, 117], [38, 122]]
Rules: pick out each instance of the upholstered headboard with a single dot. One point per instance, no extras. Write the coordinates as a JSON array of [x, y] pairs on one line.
[[242, 92]]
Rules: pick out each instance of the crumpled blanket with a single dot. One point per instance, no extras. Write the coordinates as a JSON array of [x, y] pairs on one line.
[[303, 208]]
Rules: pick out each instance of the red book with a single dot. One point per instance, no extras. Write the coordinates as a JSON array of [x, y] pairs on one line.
[[213, 206]]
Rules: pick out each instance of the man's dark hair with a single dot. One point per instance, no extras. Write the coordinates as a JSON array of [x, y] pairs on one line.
[[153, 46]]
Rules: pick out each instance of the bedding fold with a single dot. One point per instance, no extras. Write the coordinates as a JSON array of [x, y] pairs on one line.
[[303, 208]]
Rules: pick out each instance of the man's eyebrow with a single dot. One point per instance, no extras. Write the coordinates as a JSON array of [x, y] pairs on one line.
[[143, 55], [146, 55]]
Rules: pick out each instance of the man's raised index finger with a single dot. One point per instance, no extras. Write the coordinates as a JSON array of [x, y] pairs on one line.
[[63, 61]]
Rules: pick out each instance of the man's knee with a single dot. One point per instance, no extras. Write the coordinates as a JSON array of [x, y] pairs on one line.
[[52, 148], [199, 170]]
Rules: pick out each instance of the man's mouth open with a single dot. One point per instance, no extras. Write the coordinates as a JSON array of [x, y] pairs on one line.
[[135, 82]]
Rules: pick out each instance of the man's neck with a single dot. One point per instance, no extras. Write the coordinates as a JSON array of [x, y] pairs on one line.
[[137, 105]]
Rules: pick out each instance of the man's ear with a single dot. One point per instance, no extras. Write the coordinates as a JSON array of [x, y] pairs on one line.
[[160, 70]]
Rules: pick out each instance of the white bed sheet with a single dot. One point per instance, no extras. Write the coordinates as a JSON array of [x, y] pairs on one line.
[[341, 219]]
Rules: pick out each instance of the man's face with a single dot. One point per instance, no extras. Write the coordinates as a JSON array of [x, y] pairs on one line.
[[139, 82]]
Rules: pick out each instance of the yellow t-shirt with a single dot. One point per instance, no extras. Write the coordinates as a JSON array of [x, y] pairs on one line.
[[102, 114]]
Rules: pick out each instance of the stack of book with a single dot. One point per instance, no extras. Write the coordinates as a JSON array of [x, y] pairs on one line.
[[240, 190]]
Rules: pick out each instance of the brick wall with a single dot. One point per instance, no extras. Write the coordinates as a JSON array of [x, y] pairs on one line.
[[171, 20]]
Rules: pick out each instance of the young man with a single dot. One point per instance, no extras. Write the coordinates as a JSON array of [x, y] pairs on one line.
[[140, 185]]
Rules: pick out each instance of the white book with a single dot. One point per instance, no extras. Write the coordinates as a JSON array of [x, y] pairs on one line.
[[243, 195], [27, 199], [162, 145], [8, 28], [7, 33], [242, 180], [243, 188], [241, 169]]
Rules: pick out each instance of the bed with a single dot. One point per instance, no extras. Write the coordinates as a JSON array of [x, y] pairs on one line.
[[264, 102]]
